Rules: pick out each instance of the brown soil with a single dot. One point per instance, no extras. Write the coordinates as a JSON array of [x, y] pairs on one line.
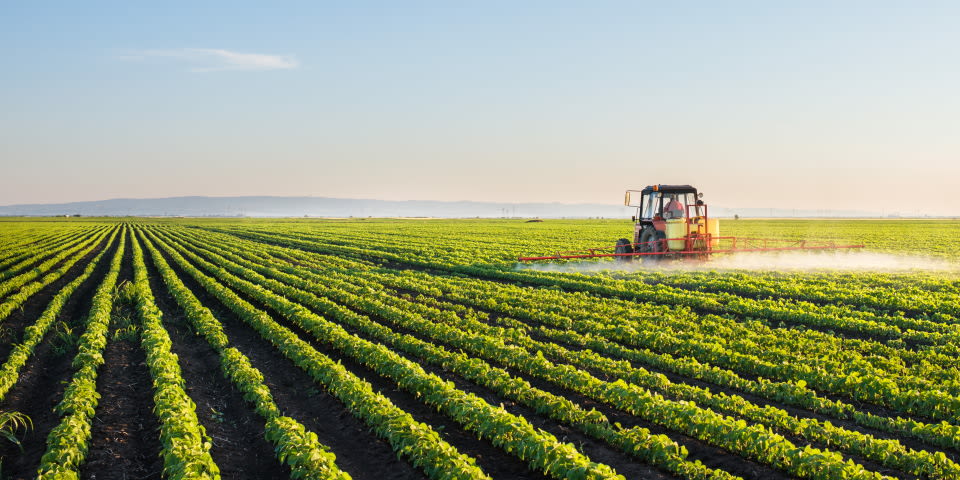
[[125, 440], [710, 456], [598, 451]]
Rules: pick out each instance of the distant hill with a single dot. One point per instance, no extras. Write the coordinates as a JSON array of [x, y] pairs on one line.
[[311, 206], [345, 207]]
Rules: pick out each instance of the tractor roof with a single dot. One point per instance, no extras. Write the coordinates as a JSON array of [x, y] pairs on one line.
[[670, 189]]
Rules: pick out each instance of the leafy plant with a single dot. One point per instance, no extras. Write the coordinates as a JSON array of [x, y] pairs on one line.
[[11, 423], [64, 339]]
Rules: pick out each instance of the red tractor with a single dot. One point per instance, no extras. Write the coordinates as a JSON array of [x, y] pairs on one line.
[[671, 220]]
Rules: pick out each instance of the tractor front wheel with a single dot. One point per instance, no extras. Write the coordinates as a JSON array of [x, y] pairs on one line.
[[624, 246]]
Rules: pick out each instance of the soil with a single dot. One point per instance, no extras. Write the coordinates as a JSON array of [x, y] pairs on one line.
[[711, 456], [597, 450], [125, 440]]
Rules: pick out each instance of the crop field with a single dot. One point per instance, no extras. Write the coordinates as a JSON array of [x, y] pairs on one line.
[[420, 349]]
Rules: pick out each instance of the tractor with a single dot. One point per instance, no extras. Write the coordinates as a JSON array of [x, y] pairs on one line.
[[671, 220]]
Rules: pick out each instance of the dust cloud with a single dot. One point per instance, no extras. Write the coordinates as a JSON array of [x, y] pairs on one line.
[[854, 261]]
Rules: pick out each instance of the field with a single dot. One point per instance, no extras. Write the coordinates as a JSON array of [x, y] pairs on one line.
[[412, 349]]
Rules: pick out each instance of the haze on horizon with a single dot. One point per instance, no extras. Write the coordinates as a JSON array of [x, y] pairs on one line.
[[814, 105]]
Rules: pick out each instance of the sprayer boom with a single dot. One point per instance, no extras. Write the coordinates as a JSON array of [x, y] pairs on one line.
[[699, 247]]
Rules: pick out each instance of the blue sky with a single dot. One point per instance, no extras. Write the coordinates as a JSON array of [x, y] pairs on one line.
[[761, 104]]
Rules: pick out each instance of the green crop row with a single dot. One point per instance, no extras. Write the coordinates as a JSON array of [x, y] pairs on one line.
[[597, 335], [185, 444], [556, 308], [926, 305], [82, 245]]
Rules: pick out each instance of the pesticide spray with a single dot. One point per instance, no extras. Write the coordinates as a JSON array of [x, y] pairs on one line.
[[842, 261]]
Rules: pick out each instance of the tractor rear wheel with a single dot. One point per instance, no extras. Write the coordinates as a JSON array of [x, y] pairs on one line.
[[651, 241], [624, 246]]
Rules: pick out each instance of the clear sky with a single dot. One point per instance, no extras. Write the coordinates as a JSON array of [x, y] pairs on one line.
[[815, 104]]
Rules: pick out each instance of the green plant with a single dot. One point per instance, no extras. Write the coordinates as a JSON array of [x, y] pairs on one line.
[[126, 293], [11, 423], [128, 333], [64, 339]]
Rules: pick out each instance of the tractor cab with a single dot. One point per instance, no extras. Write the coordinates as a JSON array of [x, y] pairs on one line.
[[659, 202]]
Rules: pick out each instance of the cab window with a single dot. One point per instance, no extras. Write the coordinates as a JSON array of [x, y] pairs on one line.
[[650, 207]]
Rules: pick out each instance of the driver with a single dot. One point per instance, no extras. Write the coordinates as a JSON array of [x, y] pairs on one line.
[[674, 209]]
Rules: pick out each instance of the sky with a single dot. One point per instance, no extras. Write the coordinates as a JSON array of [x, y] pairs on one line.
[[807, 105]]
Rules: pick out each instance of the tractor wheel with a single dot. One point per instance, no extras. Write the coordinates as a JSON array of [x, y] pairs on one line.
[[650, 234], [624, 246]]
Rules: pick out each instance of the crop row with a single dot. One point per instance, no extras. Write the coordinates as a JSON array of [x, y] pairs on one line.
[[926, 305], [295, 446], [579, 328], [836, 317], [185, 444]]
